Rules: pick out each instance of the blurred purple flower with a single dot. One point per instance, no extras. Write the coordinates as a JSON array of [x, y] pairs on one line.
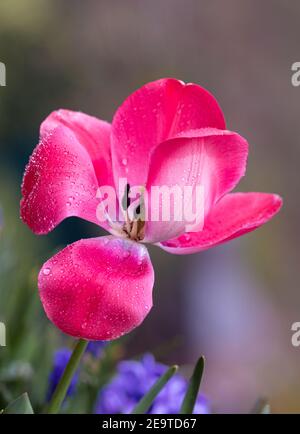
[[134, 379], [95, 348], [61, 358]]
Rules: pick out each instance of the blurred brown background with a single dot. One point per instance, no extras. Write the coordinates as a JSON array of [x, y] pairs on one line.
[[235, 303]]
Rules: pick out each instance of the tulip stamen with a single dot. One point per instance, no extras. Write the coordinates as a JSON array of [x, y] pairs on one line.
[[133, 228]]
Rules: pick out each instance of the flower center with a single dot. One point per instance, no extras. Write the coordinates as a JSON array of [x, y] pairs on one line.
[[134, 226]]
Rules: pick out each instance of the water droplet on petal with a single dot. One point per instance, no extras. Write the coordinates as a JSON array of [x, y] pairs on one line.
[[187, 237], [46, 271]]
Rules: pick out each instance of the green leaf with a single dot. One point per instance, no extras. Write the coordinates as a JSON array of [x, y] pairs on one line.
[[188, 403], [20, 405], [261, 407], [145, 403]]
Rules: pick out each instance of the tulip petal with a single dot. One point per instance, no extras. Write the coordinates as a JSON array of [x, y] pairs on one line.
[[92, 133], [152, 114], [234, 215], [59, 182], [210, 159], [98, 288]]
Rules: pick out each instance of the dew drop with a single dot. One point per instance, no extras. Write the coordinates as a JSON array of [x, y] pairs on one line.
[[187, 237], [46, 271]]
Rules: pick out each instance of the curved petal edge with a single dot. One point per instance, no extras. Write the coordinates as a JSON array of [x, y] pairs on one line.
[[157, 111], [92, 133], [234, 215], [98, 288], [59, 182], [199, 167]]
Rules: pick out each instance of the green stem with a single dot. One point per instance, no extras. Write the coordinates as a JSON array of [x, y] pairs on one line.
[[65, 381]]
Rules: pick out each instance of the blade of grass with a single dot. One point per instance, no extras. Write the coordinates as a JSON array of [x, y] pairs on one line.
[[145, 403], [20, 405], [189, 400]]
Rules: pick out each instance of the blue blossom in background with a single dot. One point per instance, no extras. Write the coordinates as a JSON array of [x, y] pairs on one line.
[[61, 358], [134, 379], [96, 348]]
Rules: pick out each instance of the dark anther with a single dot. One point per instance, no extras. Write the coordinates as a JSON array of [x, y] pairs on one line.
[[126, 198], [137, 211]]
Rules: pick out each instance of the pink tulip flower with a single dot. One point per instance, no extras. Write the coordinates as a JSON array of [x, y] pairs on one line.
[[167, 133]]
